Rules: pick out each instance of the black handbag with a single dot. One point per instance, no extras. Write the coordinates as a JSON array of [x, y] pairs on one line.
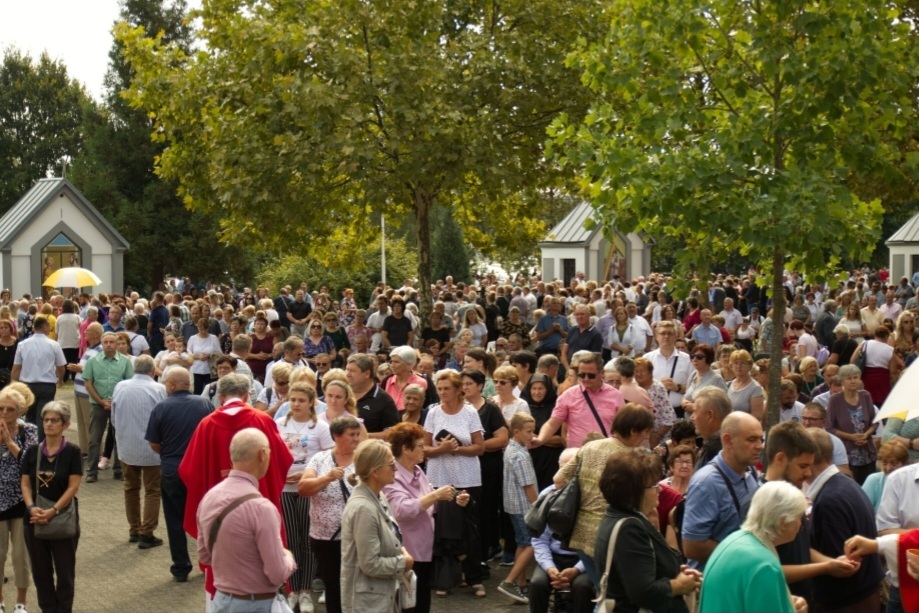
[[563, 512], [64, 524], [448, 573], [536, 517]]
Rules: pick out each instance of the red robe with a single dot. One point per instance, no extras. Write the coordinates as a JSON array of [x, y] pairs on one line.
[[909, 587], [207, 462]]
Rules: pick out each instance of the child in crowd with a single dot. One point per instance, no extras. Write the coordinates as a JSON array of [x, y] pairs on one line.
[[519, 495]]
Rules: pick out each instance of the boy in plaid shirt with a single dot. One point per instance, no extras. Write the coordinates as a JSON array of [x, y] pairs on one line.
[[519, 495]]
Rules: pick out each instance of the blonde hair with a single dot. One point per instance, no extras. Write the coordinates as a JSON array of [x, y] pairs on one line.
[[350, 400], [17, 398], [519, 420], [23, 389], [369, 456], [334, 374], [310, 393], [508, 373], [303, 375]]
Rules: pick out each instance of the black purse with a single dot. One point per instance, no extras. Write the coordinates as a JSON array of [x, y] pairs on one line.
[[64, 524], [563, 512]]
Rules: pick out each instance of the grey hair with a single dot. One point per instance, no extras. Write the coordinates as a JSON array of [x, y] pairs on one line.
[[625, 366], [406, 354], [414, 389], [144, 365], [57, 406], [848, 370], [774, 504], [233, 386], [841, 329], [246, 444], [567, 454]]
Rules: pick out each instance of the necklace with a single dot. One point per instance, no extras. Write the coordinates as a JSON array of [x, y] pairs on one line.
[[297, 430]]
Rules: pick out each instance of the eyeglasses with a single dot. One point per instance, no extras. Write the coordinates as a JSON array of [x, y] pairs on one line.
[[281, 382], [323, 363], [501, 381], [587, 375], [683, 462], [697, 356], [52, 420]]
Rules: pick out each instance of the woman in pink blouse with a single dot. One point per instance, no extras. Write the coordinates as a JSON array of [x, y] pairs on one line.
[[411, 500]]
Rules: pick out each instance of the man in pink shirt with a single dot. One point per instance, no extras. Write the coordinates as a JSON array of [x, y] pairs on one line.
[[574, 405], [242, 540]]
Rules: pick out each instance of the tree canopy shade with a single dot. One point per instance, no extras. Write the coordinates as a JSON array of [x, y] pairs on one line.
[[737, 125], [297, 119], [116, 171], [41, 110]]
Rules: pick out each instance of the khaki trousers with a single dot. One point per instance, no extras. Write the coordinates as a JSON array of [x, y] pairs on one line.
[[134, 477]]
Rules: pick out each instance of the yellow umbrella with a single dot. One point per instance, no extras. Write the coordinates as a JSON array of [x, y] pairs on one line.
[[72, 277]]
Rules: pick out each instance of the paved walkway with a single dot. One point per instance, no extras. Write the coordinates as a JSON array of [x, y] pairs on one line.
[[113, 575]]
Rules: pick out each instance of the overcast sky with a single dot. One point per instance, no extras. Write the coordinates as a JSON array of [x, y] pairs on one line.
[[76, 32]]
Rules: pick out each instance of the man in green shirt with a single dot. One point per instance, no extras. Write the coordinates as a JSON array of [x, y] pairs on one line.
[[100, 374]]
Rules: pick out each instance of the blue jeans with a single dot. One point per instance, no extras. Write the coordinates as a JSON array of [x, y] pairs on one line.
[[223, 603], [591, 567], [173, 494], [894, 603]]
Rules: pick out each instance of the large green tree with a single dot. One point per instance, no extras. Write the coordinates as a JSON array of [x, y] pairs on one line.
[[739, 125], [41, 112], [117, 174], [296, 120]]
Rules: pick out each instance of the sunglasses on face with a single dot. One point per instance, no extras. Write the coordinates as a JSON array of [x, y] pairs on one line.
[[587, 375], [697, 356]]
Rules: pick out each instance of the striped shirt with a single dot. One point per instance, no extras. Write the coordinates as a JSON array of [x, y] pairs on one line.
[[518, 473], [132, 404]]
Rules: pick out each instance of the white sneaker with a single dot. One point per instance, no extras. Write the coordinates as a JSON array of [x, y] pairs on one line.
[[20, 608], [104, 463], [306, 603], [292, 601], [322, 598]]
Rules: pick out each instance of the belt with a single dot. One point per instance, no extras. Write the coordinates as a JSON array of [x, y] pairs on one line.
[[262, 596]]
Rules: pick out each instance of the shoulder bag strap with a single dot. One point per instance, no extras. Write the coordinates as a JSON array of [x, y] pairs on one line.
[[344, 494], [215, 526], [594, 411], [610, 549], [730, 487], [676, 357]]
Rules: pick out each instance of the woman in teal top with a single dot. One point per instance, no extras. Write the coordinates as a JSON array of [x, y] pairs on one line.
[[892, 455], [744, 575]]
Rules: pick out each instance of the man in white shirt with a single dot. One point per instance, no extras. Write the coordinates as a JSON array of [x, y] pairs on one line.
[[732, 317], [375, 323], [671, 367], [791, 409], [645, 340], [39, 363], [872, 315], [891, 308]]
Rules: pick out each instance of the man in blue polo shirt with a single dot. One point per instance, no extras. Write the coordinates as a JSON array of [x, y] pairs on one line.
[[719, 493], [705, 332], [551, 328]]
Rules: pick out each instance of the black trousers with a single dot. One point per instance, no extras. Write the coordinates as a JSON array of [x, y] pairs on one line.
[[173, 495], [472, 563], [423, 571], [581, 594], [328, 556], [53, 560], [73, 357], [44, 393]]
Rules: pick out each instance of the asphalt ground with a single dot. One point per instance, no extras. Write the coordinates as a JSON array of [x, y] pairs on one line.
[[114, 575]]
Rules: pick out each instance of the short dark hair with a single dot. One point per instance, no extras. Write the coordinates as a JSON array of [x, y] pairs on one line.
[[626, 476], [706, 350], [682, 430], [475, 375], [791, 438], [632, 417], [527, 358]]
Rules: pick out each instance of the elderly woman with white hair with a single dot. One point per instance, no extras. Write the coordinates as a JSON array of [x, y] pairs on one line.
[[402, 360], [744, 572]]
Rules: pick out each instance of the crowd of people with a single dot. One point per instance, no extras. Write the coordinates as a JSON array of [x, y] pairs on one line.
[[368, 460]]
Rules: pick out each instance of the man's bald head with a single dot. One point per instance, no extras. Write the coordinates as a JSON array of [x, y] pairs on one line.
[[177, 378], [737, 422]]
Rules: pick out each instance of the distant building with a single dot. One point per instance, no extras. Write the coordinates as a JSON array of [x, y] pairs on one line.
[[904, 250], [570, 247], [54, 226]]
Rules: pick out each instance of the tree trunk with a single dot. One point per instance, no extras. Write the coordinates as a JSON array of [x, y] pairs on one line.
[[423, 201], [774, 392]]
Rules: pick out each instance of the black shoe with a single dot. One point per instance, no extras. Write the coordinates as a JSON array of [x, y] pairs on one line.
[[180, 578], [148, 542], [133, 538], [118, 477], [91, 478]]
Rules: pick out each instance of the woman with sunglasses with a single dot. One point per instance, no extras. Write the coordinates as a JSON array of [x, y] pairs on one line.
[[505, 385], [702, 357], [902, 338], [317, 341], [15, 437]]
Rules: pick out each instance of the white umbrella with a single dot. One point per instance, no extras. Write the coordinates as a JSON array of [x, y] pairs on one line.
[[904, 396]]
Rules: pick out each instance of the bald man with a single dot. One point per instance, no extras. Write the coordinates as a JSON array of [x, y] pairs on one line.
[[720, 492]]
